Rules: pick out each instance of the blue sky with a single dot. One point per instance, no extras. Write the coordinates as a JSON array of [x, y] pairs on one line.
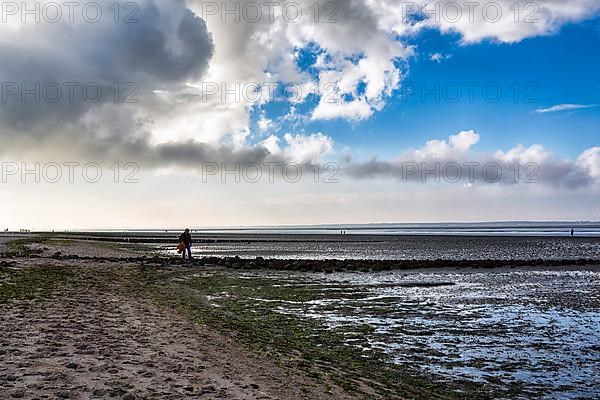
[[542, 71]]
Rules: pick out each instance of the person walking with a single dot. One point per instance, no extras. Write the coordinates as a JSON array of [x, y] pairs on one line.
[[186, 239]]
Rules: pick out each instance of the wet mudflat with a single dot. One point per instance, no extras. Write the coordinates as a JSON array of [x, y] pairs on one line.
[[525, 332], [381, 247], [82, 319], [356, 246]]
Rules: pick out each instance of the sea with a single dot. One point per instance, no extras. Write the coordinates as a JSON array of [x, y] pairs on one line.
[[491, 240]]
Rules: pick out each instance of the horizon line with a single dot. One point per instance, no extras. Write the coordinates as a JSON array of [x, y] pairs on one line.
[[301, 226]]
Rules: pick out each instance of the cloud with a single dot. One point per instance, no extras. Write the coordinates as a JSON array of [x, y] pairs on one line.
[[299, 148], [264, 123], [167, 46], [440, 159], [355, 110], [456, 145], [360, 74], [564, 107], [502, 20], [521, 154], [106, 145], [439, 57], [589, 160], [174, 49]]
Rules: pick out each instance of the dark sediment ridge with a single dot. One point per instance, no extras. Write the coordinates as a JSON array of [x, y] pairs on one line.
[[329, 265]]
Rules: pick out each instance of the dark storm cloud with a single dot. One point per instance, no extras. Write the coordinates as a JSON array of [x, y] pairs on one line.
[[146, 47], [110, 147], [480, 168], [165, 46], [188, 154], [191, 153]]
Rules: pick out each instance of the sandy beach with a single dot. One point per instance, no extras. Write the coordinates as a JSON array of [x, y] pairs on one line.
[[83, 319], [85, 335]]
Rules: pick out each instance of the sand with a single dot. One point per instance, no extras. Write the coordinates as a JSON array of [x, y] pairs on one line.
[[93, 339]]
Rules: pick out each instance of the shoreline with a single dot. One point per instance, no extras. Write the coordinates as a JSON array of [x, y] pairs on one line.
[[36, 247], [94, 313], [359, 249], [106, 325]]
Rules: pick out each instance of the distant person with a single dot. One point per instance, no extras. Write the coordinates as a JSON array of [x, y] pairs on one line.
[[572, 232], [186, 239]]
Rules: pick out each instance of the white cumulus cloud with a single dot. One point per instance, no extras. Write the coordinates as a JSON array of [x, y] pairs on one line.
[[300, 148]]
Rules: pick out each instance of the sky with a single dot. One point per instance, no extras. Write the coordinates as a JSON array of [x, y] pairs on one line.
[[159, 113]]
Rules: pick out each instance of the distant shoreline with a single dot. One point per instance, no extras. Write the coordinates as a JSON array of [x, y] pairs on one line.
[[166, 236], [492, 229]]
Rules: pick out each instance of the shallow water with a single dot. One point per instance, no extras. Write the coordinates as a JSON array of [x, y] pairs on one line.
[[395, 247], [535, 330]]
